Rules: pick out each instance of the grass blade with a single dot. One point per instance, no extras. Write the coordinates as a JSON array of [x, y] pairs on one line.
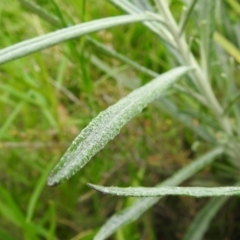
[[227, 46], [36, 9], [206, 15], [108, 124], [187, 16], [36, 193], [9, 208], [235, 5], [232, 103], [10, 119], [53, 222], [55, 22], [201, 222], [166, 191], [158, 29], [42, 42], [143, 204], [123, 58]]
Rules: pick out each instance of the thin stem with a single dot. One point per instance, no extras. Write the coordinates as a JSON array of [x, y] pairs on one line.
[[188, 58]]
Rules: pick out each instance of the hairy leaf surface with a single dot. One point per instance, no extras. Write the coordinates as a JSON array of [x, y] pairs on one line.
[[42, 42], [108, 124], [141, 205], [168, 190]]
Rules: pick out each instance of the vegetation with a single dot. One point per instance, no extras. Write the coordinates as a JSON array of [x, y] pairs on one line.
[[174, 65]]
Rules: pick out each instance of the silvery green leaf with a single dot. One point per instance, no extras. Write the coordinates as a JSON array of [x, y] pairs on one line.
[[42, 42], [201, 222], [108, 123], [141, 205], [187, 15], [143, 4], [160, 29], [123, 58], [41, 12], [168, 190], [207, 26]]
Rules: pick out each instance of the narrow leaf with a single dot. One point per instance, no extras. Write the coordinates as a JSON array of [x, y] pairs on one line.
[[108, 124], [235, 5], [9, 209], [187, 15], [231, 49], [36, 193], [42, 42], [168, 190], [159, 29], [232, 103], [203, 218], [143, 204], [55, 22], [123, 58], [206, 15], [11, 117], [42, 13]]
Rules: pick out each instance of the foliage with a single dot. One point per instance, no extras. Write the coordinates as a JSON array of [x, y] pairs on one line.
[[195, 45]]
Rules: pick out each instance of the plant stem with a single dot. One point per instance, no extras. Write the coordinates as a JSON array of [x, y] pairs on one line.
[[187, 57]]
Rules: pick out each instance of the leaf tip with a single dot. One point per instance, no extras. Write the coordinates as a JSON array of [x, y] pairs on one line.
[[95, 187], [91, 185], [51, 182]]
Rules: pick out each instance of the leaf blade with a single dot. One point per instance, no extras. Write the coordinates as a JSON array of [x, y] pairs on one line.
[[133, 212], [187, 16], [107, 125], [230, 48], [42, 42], [36, 193], [201, 222], [167, 190], [207, 26]]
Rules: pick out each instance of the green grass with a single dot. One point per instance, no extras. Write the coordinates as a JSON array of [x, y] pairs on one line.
[[48, 97], [39, 120]]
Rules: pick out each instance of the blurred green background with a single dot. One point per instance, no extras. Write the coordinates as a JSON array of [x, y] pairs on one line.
[[47, 98]]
